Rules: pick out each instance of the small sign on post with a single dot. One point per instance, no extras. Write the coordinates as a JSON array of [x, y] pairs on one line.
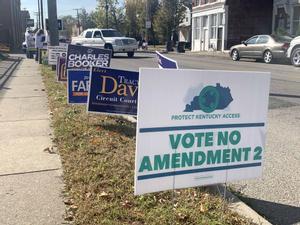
[[61, 69], [54, 52], [210, 130], [148, 24], [165, 62], [30, 23], [43, 56], [59, 24]]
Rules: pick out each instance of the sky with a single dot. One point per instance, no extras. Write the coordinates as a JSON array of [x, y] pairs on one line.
[[64, 7]]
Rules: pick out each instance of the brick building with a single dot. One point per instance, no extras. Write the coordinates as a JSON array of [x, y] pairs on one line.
[[10, 24], [219, 24], [24, 17]]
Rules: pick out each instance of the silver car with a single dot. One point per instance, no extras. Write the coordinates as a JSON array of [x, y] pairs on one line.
[[265, 47]]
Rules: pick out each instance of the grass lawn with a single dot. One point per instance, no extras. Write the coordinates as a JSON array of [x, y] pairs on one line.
[[97, 153]]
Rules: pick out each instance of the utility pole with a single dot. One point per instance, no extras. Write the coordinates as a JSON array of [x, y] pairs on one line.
[[42, 15], [37, 19], [106, 13], [39, 15], [78, 22], [53, 25]]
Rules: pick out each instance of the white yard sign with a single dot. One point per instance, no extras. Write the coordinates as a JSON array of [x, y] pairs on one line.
[[54, 52], [199, 128]]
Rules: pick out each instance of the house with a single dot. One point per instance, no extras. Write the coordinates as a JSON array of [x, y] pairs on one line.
[[219, 24], [185, 26], [286, 17]]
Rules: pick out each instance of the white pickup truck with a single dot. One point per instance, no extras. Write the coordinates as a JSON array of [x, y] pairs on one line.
[[293, 51], [108, 39]]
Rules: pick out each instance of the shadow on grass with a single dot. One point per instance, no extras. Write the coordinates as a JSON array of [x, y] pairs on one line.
[[121, 128], [276, 213]]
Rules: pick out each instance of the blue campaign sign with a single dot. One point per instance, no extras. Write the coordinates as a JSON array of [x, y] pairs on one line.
[[113, 91], [78, 86], [165, 63], [82, 57]]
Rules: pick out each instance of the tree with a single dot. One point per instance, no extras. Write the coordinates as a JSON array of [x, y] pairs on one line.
[[86, 19], [167, 18], [136, 17], [153, 7], [116, 17], [68, 23]]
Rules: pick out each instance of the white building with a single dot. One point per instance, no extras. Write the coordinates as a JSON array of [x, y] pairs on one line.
[[286, 17], [209, 31], [185, 27], [220, 24]]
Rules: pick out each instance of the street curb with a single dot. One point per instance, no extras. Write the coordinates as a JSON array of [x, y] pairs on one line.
[[234, 203], [240, 207], [224, 54]]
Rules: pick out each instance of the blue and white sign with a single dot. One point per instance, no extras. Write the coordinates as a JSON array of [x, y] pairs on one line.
[[199, 128], [82, 57], [78, 86], [165, 62], [113, 91]]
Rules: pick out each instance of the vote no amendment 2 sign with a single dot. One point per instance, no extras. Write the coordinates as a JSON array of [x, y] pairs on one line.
[[199, 128]]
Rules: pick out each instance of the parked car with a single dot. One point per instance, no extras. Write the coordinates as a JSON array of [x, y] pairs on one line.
[[266, 47], [108, 39], [293, 51]]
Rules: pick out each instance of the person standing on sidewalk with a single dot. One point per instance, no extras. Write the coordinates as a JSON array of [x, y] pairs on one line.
[[39, 42], [30, 43]]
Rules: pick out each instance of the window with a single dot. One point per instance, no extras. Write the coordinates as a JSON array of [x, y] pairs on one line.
[[97, 34], [262, 40], [196, 2], [213, 30], [204, 21], [111, 33], [203, 2], [89, 34], [296, 21], [251, 40], [221, 19], [197, 27]]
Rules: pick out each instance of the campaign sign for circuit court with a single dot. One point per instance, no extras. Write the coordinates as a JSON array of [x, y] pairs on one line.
[[113, 91]]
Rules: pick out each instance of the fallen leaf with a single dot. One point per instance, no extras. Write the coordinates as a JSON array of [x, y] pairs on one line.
[[87, 195], [202, 209], [103, 194]]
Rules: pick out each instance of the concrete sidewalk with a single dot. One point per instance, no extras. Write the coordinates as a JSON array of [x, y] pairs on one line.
[[30, 178]]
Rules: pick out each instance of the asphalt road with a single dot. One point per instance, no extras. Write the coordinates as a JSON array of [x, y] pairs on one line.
[[276, 195], [285, 77]]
